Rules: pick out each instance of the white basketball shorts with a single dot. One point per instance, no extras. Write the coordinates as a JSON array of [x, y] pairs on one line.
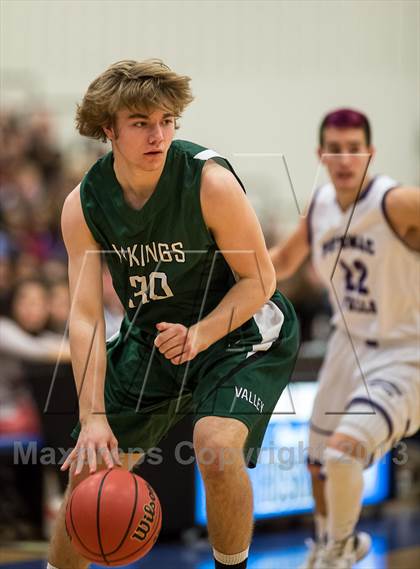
[[368, 391]]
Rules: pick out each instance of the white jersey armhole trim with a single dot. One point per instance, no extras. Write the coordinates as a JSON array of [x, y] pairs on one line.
[[206, 155], [388, 221]]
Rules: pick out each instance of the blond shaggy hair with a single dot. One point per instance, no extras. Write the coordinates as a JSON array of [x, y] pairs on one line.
[[137, 85]]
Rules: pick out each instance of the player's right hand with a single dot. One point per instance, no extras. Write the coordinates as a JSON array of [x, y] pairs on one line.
[[96, 442]]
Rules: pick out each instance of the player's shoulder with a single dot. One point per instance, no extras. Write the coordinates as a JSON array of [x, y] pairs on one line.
[[401, 202], [381, 184], [72, 209], [379, 187], [219, 182], [187, 147], [218, 178], [196, 152], [385, 181], [73, 223]]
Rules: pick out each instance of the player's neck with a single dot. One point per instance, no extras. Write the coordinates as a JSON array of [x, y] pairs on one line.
[[137, 184], [347, 198]]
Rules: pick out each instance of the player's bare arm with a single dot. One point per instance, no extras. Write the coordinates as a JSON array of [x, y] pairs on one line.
[[290, 254], [402, 207], [238, 235], [87, 338]]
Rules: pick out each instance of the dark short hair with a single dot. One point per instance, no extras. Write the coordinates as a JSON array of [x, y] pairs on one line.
[[345, 118]]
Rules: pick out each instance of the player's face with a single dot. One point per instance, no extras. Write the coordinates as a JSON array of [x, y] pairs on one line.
[[30, 307], [346, 156], [142, 138]]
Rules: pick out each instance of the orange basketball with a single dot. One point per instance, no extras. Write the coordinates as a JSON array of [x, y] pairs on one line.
[[113, 517]]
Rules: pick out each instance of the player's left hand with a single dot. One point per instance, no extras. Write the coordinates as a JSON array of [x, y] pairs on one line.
[[178, 343]]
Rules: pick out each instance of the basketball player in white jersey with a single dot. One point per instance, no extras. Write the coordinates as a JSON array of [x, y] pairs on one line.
[[363, 235]]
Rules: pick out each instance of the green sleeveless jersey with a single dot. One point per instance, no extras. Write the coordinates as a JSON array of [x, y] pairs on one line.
[[164, 262]]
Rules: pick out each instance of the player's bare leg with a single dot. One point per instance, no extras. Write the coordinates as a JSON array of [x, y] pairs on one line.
[[321, 512], [218, 444], [62, 555], [318, 492], [345, 457], [320, 517]]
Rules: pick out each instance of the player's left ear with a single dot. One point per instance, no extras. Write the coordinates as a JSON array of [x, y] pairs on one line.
[[109, 132], [372, 151]]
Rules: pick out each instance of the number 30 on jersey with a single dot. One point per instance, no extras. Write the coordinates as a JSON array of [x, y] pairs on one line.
[[153, 288]]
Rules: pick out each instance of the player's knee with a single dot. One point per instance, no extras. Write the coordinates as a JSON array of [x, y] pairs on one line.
[[342, 446], [218, 450], [340, 463], [217, 461], [215, 457], [219, 432]]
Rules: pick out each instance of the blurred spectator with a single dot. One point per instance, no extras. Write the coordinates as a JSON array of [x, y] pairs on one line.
[[42, 147], [24, 335], [28, 356], [27, 267], [37, 394], [54, 270], [6, 284], [59, 306]]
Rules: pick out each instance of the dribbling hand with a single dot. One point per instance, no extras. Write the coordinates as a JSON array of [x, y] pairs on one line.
[[96, 442]]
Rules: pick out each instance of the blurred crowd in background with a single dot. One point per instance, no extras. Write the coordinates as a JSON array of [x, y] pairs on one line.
[[38, 400]]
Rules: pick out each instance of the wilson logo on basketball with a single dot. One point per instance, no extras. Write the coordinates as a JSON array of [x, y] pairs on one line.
[[144, 525]]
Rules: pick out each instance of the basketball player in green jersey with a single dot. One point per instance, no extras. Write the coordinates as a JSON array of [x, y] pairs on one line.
[[204, 332]]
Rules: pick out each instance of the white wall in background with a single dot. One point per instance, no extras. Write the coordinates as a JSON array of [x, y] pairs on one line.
[[263, 74]]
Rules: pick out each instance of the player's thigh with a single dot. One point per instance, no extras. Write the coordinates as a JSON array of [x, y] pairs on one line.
[[219, 444], [336, 381], [219, 433], [246, 390], [317, 443]]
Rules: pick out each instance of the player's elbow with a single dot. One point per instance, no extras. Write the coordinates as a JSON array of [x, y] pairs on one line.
[[268, 282], [271, 288], [85, 318]]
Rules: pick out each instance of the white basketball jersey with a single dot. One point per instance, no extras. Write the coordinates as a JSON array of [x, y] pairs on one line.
[[371, 275]]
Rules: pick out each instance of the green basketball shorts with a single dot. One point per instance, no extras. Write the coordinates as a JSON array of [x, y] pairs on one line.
[[241, 377]]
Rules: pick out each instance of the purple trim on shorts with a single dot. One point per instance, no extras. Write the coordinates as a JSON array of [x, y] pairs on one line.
[[388, 221], [379, 408], [320, 431], [379, 381], [313, 461], [372, 343]]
